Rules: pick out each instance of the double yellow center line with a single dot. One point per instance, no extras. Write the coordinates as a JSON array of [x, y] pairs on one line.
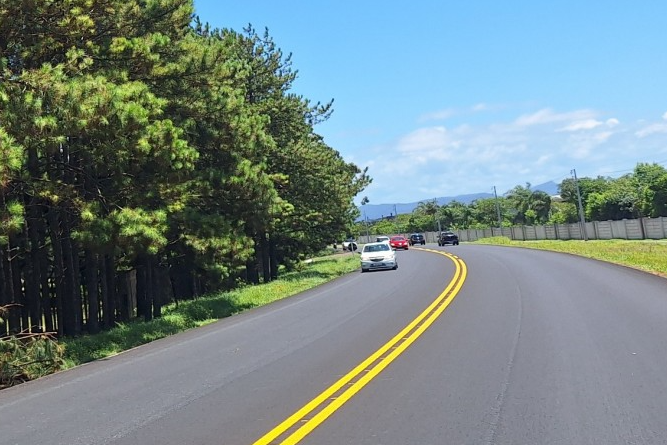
[[297, 426]]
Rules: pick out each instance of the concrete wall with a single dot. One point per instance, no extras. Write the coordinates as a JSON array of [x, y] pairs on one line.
[[629, 229]]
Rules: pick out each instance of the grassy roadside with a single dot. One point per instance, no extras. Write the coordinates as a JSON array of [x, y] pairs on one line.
[[647, 255], [205, 310]]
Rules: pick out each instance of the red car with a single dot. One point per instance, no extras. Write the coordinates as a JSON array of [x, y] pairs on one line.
[[399, 242]]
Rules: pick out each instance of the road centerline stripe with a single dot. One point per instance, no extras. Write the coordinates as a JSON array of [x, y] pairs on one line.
[[297, 426]]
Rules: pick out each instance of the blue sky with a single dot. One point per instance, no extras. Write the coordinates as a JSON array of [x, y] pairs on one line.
[[443, 98]]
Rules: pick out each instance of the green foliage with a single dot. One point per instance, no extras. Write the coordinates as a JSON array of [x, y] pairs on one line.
[[457, 215], [385, 227], [587, 186], [12, 218], [563, 213], [424, 217], [26, 357], [618, 201], [651, 183], [140, 230], [529, 206], [11, 154], [484, 212]]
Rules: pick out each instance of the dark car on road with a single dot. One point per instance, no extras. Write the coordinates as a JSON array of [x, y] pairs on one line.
[[448, 238], [417, 238]]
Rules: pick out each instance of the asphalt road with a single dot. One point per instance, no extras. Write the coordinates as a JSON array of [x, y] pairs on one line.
[[535, 348]]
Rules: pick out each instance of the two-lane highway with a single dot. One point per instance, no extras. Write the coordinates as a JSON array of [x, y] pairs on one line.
[[532, 348]]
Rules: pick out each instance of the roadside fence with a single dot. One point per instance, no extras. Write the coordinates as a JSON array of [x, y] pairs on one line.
[[628, 229]]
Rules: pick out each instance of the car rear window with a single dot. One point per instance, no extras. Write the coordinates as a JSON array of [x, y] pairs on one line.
[[376, 248]]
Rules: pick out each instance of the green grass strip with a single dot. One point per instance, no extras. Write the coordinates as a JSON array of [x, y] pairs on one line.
[[204, 310], [646, 255]]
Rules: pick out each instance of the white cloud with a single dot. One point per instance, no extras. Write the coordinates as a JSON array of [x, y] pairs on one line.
[[587, 124], [534, 147], [544, 159], [582, 146], [664, 116], [448, 113], [651, 129], [547, 116], [439, 115], [427, 143]]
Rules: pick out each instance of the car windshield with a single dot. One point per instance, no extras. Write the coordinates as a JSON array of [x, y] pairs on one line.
[[376, 248], [398, 238]]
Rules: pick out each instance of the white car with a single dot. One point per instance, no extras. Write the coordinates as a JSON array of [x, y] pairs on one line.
[[382, 239], [378, 256]]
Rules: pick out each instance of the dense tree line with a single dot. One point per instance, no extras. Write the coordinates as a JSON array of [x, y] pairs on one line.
[[138, 145], [642, 193]]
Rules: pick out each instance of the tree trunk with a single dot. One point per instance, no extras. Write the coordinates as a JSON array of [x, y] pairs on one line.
[[273, 255], [33, 274], [73, 276], [17, 263], [92, 292], [160, 291], [142, 303], [58, 271], [265, 258], [182, 282], [91, 258], [71, 309], [13, 317], [70, 248], [108, 282], [4, 291], [150, 288], [48, 300], [252, 274]]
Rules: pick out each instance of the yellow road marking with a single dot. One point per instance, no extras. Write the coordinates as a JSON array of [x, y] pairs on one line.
[[297, 426]]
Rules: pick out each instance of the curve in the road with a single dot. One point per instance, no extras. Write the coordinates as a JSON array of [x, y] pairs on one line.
[[297, 426]]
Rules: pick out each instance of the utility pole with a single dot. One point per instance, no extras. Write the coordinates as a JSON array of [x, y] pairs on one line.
[[365, 201], [582, 219], [500, 220]]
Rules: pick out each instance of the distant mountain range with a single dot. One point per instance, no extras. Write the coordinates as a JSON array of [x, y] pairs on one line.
[[377, 211]]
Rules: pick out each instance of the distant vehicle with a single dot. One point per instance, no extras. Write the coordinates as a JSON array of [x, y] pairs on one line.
[[350, 244], [417, 238], [382, 239], [448, 238], [399, 242], [376, 256]]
